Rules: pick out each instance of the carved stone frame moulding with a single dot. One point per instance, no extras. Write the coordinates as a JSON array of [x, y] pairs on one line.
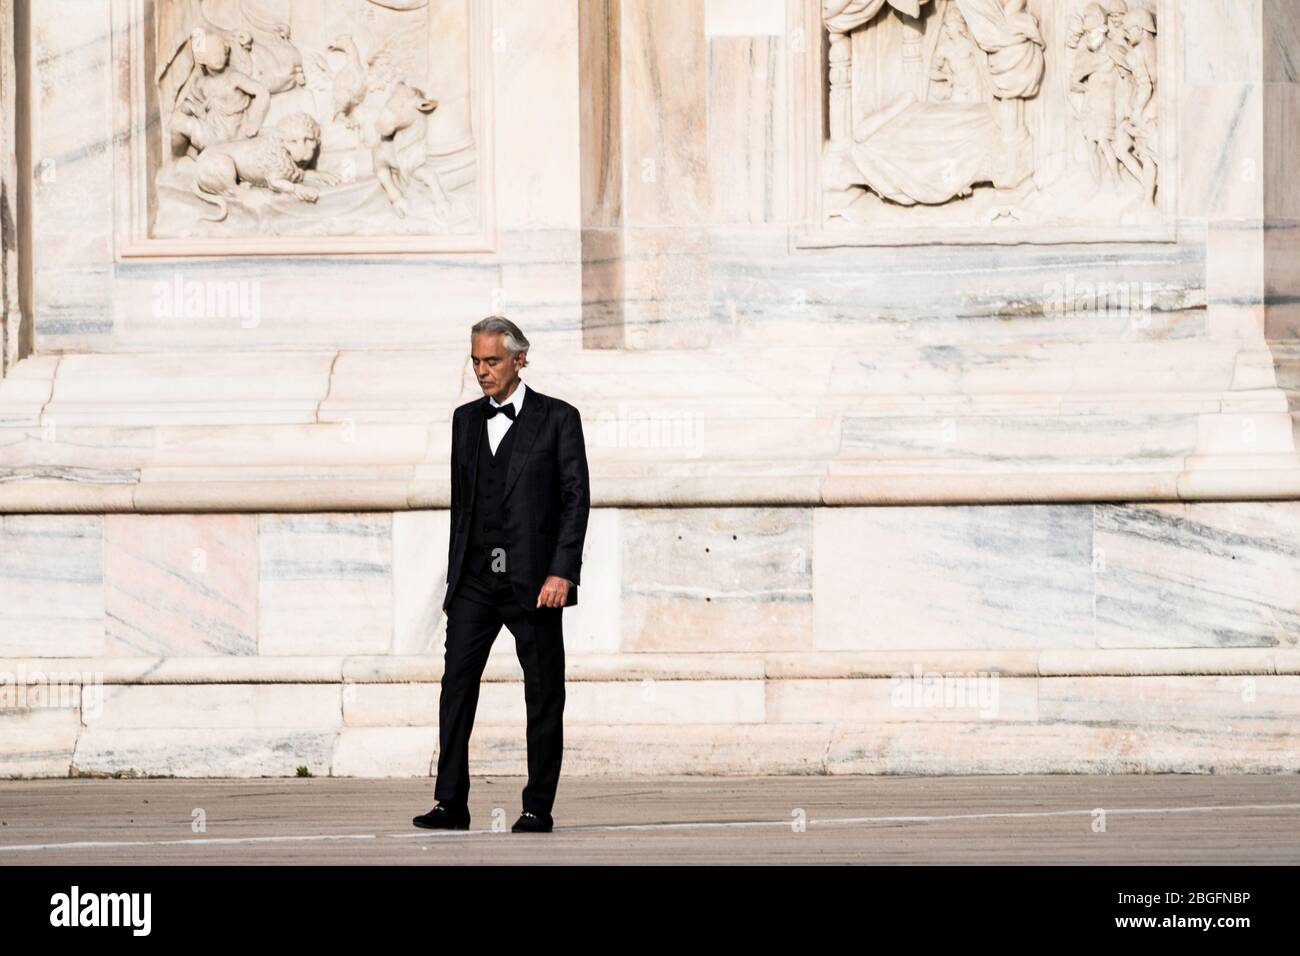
[[139, 146], [813, 223]]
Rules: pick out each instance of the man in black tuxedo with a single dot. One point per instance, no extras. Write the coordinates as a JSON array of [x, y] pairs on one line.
[[519, 506]]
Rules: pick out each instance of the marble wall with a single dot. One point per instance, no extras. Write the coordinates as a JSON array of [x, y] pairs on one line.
[[1087, 577], [667, 153], [15, 329], [1103, 638], [98, 292], [835, 472], [1281, 69], [649, 175]]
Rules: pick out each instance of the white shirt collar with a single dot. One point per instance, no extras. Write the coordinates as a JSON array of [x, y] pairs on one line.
[[516, 398]]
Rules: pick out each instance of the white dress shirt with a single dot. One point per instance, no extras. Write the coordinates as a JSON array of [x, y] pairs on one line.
[[498, 425]]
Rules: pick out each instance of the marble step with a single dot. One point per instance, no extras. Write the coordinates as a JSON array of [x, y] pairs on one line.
[[294, 386], [1131, 724], [633, 667]]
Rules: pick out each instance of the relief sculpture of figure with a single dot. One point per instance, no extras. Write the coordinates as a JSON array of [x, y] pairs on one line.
[[218, 103], [348, 85], [277, 63], [1117, 40], [1116, 11], [988, 114], [397, 162], [1140, 31], [1115, 70], [1012, 38], [241, 51], [1140, 125], [275, 159], [933, 146], [312, 120], [1098, 74], [956, 76]]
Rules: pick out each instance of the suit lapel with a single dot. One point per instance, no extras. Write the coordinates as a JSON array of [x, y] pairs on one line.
[[529, 424], [475, 425]]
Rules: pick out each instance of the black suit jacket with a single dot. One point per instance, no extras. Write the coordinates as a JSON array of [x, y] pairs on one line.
[[545, 501]]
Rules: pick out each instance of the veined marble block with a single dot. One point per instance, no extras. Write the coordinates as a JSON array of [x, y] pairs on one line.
[[907, 635]]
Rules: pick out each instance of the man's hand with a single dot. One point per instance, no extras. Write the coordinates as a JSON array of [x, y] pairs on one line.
[[554, 592]]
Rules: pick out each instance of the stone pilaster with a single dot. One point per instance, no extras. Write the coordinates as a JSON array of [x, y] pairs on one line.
[[645, 184], [10, 312], [1281, 200]]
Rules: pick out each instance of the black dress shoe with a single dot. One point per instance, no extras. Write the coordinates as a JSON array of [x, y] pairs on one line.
[[444, 816], [530, 822]]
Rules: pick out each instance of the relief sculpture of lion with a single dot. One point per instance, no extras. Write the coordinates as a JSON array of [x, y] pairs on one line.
[[273, 159]]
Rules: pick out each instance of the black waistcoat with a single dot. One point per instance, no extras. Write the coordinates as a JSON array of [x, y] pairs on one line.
[[486, 532]]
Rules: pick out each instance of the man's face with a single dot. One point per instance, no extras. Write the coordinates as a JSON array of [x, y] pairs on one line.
[[494, 367]]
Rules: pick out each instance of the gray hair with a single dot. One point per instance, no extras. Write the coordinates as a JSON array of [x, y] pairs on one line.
[[515, 340]]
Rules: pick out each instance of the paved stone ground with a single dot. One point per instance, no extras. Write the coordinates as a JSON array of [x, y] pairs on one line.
[[1167, 819]]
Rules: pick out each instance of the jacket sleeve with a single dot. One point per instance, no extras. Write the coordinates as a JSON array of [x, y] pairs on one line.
[[455, 501], [575, 498]]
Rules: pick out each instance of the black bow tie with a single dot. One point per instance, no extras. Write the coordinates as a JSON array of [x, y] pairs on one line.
[[508, 410]]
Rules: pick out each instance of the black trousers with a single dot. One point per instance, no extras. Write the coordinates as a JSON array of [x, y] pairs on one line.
[[482, 603]]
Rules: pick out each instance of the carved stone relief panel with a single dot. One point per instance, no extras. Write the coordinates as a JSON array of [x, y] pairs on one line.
[[984, 120], [296, 125]]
